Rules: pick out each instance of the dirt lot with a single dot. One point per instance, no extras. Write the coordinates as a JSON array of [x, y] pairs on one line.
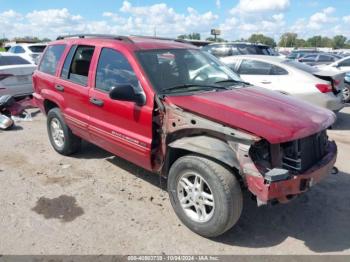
[[96, 203]]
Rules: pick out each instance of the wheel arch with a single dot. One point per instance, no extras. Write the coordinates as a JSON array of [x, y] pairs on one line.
[[49, 104], [205, 146]]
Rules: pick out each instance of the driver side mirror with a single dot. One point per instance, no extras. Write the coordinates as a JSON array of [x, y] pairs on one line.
[[127, 93]]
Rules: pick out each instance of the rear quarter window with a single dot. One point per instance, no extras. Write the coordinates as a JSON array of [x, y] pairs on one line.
[[51, 58]]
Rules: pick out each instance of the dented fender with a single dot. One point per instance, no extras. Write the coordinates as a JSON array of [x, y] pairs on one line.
[[187, 131], [208, 146]]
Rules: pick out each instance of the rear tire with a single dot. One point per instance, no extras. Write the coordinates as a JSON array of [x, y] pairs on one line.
[[220, 195], [61, 137]]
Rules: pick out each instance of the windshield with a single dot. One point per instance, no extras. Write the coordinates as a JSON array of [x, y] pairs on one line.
[[300, 66], [186, 70]]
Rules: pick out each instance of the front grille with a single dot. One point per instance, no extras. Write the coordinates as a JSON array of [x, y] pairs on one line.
[[301, 154]]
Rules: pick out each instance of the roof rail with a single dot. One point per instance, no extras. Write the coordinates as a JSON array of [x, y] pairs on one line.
[[163, 38], [116, 37]]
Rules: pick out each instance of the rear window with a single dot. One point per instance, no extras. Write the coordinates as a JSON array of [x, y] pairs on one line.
[[300, 66], [51, 58], [12, 60], [37, 48], [221, 50]]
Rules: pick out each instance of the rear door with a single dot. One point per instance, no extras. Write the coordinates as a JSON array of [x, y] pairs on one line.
[[120, 127], [44, 78], [263, 74], [74, 86]]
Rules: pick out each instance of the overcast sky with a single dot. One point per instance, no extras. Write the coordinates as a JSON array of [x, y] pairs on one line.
[[236, 18]]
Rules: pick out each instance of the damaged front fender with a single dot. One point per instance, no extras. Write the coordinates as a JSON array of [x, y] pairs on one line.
[[187, 131], [208, 146]]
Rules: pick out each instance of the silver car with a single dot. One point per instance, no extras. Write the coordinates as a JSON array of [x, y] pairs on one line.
[[15, 75], [322, 88]]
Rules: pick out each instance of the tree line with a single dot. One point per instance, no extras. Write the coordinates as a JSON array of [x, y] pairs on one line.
[[286, 40]]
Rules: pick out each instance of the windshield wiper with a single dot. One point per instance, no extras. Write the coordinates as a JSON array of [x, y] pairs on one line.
[[207, 87], [232, 81]]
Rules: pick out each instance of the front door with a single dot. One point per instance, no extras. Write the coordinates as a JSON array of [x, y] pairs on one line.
[[120, 127]]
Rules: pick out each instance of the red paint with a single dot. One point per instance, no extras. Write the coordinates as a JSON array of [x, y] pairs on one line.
[[273, 116], [279, 190], [120, 127], [125, 129]]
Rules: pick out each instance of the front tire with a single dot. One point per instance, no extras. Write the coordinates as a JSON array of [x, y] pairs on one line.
[[61, 137], [205, 195]]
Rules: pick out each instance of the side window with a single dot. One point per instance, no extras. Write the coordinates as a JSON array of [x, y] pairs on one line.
[[68, 62], [345, 63], [12, 49], [309, 57], [51, 58], [276, 70], [325, 58], [113, 69], [79, 68], [19, 50], [251, 67]]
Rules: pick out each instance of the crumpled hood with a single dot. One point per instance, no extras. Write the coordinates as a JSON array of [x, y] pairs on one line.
[[267, 114]]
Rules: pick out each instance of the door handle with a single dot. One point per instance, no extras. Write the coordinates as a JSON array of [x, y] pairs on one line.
[[265, 82], [95, 101], [59, 88]]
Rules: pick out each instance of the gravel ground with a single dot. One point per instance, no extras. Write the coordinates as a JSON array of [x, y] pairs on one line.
[[96, 203]]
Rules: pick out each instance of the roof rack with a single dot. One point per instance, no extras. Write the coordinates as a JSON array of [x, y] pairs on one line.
[[121, 38], [163, 38], [116, 37]]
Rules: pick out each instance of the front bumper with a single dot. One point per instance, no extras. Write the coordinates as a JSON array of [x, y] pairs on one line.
[[284, 190]]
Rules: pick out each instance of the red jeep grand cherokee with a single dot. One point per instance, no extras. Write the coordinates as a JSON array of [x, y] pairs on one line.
[[177, 111]]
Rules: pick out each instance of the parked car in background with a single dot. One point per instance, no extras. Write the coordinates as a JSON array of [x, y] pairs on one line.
[[347, 78], [341, 65], [238, 48], [15, 75], [296, 54], [175, 110], [346, 89], [319, 59], [30, 52], [290, 77], [7, 46]]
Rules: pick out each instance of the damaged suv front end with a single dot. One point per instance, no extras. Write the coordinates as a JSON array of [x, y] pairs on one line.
[[214, 136], [279, 172], [271, 172]]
